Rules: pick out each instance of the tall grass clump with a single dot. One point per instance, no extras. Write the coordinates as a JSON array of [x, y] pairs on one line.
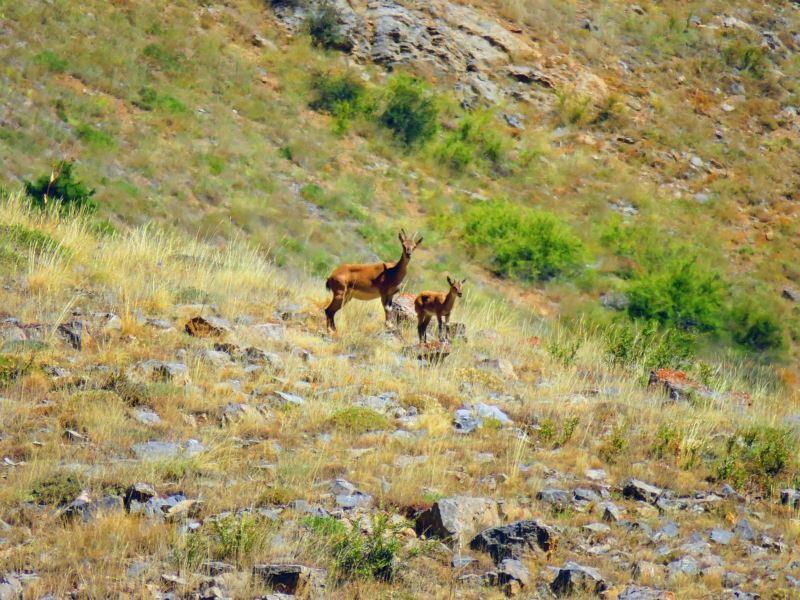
[[523, 243], [340, 95]]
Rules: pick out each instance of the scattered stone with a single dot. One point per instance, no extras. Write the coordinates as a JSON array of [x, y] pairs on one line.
[[514, 121], [453, 518], [573, 578], [686, 565], [721, 537], [501, 366], [138, 492], [146, 416], [611, 512], [510, 541], [641, 491], [635, 592], [614, 300], [791, 294], [554, 496], [430, 352], [291, 312], [596, 474], [290, 399], [157, 450], [669, 531], [72, 333], [270, 331], [462, 562], [645, 570], [156, 370], [470, 418], [89, 510], [10, 587], [347, 496], [200, 326], [791, 497], [403, 311], [512, 570], [291, 579]]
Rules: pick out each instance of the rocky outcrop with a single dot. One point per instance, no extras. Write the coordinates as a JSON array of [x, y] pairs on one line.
[[511, 541], [451, 518], [485, 60]]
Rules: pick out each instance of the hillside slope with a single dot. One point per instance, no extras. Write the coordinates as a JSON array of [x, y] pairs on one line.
[[174, 418]]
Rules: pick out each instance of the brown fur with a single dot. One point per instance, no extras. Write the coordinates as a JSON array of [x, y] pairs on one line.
[[428, 304], [369, 281]]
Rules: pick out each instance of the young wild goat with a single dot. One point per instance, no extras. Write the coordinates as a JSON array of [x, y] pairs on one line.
[[370, 281], [440, 304]]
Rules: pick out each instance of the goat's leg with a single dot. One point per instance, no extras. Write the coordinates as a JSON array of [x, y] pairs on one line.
[[336, 304], [441, 327], [386, 300], [422, 327]]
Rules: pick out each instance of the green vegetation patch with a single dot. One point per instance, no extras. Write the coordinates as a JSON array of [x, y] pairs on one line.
[[758, 456], [410, 110], [523, 243], [57, 489], [356, 419], [62, 188]]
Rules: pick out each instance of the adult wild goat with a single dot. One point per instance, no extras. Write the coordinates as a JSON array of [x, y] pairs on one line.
[[370, 281], [440, 304]]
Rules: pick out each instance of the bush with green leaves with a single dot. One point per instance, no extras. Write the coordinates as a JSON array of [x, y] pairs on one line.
[[473, 140], [357, 555], [520, 242], [410, 110], [62, 189], [323, 27], [757, 455], [647, 346], [755, 325], [342, 96], [682, 293]]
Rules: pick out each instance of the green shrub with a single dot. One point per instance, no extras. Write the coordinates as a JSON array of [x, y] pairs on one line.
[[357, 419], [647, 346], [61, 188], [473, 139], [341, 96], [161, 58], [523, 243], [57, 489], [93, 137], [756, 326], [746, 58], [681, 294], [51, 61], [409, 110], [323, 27], [149, 99], [757, 455], [356, 555]]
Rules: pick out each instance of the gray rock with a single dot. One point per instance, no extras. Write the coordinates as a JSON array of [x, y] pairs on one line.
[[156, 370], [744, 531], [585, 495], [611, 512], [721, 537], [290, 399], [138, 492], [215, 357], [158, 450], [510, 541], [514, 121], [614, 300], [501, 366], [462, 562], [89, 510], [292, 579], [791, 294], [554, 496], [453, 518], [510, 569], [208, 326], [347, 496], [270, 331], [790, 497], [10, 587], [635, 592], [72, 333], [596, 474], [686, 565], [639, 490], [669, 531], [573, 578], [146, 416]]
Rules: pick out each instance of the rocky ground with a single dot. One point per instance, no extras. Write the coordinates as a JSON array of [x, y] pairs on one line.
[[156, 445]]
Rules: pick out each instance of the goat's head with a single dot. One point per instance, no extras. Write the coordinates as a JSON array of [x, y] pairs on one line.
[[456, 286], [409, 243]]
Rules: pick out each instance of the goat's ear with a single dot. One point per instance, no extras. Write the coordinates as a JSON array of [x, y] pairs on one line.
[[463, 281], [449, 281], [402, 235]]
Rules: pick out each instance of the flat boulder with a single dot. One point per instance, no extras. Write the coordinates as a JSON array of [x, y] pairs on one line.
[[291, 579], [637, 592], [511, 541], [453, 518], [641, 491], [200, 326], [573, 578]]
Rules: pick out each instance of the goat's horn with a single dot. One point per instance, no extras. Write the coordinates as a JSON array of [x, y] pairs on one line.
[[403, 232]]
